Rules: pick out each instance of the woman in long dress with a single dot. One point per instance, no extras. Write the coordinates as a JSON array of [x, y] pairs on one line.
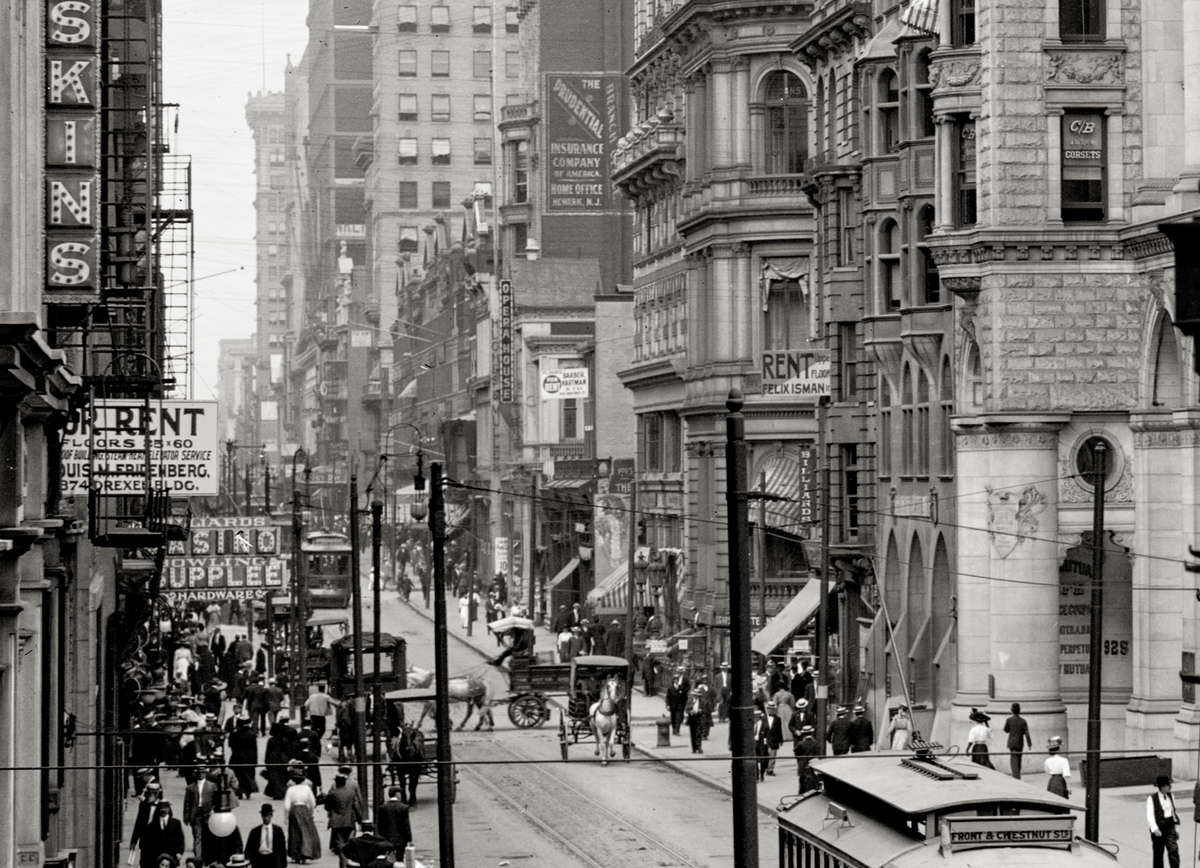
[[303, 840], [977, 739], [275, 759], [900, 729]]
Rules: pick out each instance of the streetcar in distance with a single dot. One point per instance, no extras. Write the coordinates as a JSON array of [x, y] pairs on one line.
[[920, 811], [325, 560]]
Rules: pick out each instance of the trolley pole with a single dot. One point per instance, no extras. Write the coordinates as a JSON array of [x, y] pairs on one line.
[[441, 679], [745, 779], [1092, 777], [376, 692], [360, 689]]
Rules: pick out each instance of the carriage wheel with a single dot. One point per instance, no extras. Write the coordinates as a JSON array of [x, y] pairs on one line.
[[562, 736], [527, 711]]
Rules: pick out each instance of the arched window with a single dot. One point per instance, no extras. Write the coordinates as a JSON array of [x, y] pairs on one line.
[[921, 444], [888, 258], [917, 616], [931, 283], [946, 396], [922, 106], [833, 109], [908, 424], [1168, 381], [887, 108], [787, 123], [885, 427], [974, 379]]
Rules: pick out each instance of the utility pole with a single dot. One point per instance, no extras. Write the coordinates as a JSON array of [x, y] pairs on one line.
[[445, 769], [760, 550], [299, 615], [360, 686], [266, 487], [247, 486], [1095, 655], [822, 685], [745, 779], [532, 555], [632, 553], [376, 691]]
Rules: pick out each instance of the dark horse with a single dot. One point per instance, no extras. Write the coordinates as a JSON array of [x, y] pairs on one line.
[[406, 755]]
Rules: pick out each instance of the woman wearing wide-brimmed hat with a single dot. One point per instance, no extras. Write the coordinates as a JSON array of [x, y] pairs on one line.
[[304, 842], [1057, 767], [900, 729], [977, 739]]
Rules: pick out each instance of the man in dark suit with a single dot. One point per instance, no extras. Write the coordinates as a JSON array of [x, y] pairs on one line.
[[394, 824], [266, 846], [677, 695], [724, 692], [197, 807], [162, 834]]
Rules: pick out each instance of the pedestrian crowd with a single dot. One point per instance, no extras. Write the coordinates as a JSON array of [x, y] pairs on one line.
[[206, 729]]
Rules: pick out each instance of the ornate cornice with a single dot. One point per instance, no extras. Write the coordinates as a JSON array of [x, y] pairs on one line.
[[834, 35]]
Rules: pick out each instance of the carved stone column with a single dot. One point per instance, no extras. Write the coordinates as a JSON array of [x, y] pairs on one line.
[[1008, 584]]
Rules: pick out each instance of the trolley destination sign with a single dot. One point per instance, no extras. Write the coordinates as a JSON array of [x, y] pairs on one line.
[[1043, 830]]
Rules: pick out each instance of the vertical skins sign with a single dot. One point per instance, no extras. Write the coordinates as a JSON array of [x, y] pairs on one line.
[[72, 171], [582, 122]]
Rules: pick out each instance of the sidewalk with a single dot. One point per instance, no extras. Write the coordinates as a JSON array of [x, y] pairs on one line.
[[1122, 809]]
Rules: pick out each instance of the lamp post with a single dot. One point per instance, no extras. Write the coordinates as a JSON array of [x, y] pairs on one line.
[[266, 484], [360, 689], [299, 593]]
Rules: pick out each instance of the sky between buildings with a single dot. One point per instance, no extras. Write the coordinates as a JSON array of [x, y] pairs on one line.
[[216, 52]]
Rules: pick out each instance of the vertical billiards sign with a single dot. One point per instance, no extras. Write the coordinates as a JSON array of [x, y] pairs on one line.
[[72, 176]]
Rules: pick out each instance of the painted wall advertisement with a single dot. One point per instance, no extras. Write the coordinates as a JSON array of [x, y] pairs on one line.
[[183, 448], [582, 128], [795, 375], [1075, 616]]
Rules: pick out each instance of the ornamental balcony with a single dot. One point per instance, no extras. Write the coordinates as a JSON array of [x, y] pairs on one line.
[[650, 155]]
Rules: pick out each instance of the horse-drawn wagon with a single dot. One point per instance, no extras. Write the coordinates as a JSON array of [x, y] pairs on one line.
[[597, 706]]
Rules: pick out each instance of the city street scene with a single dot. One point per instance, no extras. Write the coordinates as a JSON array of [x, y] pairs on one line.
[[681, 433]]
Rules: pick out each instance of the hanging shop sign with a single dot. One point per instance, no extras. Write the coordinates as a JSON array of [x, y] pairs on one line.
[[505, 348], [795, 375], [182, 449], [225, 578], [72, 165]]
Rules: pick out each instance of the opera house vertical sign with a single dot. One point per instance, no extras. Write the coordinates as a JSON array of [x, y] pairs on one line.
[[72, 150]]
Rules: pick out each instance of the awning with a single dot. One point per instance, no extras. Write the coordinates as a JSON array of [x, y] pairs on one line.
[[567, 483], [798, 610], [922, 15], [613, 591], [783, 480], [563, 573]]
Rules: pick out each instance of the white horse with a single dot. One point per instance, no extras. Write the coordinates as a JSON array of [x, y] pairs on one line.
[[602, 717], [470, 689]]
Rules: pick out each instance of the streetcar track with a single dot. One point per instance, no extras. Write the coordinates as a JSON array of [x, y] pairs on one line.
[[622, 822]]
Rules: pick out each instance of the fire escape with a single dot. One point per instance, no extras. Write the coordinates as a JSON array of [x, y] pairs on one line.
[[135, 342]]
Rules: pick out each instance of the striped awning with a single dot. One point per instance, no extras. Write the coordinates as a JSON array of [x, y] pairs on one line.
[[782, 479], [613, 592], [562, 574], [922, 15]]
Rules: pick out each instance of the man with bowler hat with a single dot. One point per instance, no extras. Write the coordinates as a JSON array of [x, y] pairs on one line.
[[266, 846], [1164, 822]]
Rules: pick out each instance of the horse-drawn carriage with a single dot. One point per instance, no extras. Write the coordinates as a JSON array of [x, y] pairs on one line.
[[597, 706], [412, 754]]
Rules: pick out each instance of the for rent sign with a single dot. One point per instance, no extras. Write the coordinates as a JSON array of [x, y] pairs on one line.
[[107, 444], [795, 375]]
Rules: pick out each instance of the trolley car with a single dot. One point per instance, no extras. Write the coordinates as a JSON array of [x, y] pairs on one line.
[[326, 564], [915, 811]]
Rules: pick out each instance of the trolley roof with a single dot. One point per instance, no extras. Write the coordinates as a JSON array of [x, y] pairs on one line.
[[599, 661], [914, 786]]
